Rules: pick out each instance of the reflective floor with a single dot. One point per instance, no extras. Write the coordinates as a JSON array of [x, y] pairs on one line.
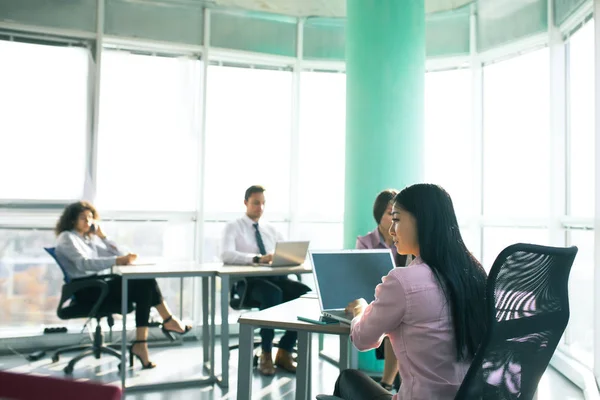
[[184, 362]]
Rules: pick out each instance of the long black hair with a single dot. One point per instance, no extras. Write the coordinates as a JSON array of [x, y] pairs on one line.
[[458, 272]]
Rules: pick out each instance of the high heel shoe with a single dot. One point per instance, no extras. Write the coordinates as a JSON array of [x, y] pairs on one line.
[[169, 333], [132, 355]]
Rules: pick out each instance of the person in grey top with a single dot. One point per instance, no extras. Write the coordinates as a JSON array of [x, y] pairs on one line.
[[84, 252]]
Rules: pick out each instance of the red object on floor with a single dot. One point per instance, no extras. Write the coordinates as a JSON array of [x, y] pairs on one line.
[[15, 386]]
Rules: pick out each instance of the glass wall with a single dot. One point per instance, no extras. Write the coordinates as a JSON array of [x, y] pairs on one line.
[[44, 121], [147, 140], [30, 282], [449, 136], [248, 126], [581, 122], [321, 170], [581, 192], [43, 158], [516, 137]]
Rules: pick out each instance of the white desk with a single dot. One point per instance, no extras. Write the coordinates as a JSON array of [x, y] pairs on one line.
[[175, 269], [207, 272], [226, 272], [285, 316]]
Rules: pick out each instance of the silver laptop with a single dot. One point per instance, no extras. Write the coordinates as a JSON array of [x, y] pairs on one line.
[[288, 254], [342, 276]]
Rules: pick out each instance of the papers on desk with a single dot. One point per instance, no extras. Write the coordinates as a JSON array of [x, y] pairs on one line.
[[145, 261]]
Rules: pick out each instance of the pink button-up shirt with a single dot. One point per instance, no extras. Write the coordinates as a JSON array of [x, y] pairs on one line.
[[411, 309]]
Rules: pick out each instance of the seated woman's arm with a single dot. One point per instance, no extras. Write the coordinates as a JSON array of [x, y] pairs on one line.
[[71, 247], [111, 248], [380, 317]]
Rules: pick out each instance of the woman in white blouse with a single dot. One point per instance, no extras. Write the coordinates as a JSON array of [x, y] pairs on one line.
[[85, 252]]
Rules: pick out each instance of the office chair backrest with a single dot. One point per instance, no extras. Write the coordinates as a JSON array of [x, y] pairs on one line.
[[528, 310], [238, 298], [52, 252]]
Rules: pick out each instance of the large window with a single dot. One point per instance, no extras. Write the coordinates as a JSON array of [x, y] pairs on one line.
[[496, 239], [44, 108], [581, 122], [155, 240], [322, 140], [30, 282], [580, 332], [248, 126], [517, 137], [321, 159], [581, 189], [448, 136], [148, 132]]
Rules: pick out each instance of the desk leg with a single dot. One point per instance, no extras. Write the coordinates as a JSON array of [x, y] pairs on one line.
[[205, 327], [225, 331], [310, 371], [213, 333], [244, 387], [303, 370], [181, 299], [344, 360], [124, 332]]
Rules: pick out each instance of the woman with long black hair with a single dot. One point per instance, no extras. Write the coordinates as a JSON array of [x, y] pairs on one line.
[[432, 311]]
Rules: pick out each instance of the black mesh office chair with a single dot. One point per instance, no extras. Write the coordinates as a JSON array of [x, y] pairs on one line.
[[528, 305], [69, 308], [528, 310]]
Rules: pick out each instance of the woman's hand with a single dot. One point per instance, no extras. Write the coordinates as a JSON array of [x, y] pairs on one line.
[[126, 259], [98, 231], [356, 307]]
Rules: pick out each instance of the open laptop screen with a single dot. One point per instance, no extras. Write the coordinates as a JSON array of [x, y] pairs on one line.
[[346, 275]]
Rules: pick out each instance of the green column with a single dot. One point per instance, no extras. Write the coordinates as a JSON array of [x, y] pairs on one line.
[[385, 79]]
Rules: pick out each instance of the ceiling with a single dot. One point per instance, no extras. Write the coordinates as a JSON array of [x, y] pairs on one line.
[[322, 8]]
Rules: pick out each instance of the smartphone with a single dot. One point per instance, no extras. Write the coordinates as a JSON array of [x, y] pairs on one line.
[[92, 228], [321, 321]]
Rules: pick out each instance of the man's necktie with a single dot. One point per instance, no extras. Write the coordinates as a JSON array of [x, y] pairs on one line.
[[259, 241]]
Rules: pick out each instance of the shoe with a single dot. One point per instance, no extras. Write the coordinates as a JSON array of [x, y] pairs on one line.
[[386, 386], [285, 360], [132, 355], [265, 364], [169, 333]]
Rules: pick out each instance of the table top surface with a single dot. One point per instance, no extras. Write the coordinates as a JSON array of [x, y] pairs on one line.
[[191, 268], [285, 316]]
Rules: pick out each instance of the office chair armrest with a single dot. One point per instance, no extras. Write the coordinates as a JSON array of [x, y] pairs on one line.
[[328, 397], [69, 290]]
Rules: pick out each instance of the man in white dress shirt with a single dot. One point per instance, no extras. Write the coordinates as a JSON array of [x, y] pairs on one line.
[[247, 242]]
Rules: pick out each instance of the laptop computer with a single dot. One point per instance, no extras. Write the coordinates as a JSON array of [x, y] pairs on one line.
[[342, 276], [288, 254]]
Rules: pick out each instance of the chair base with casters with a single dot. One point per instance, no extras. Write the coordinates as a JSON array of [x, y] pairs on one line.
[[96, 349], [103, 308], [69, 308]]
